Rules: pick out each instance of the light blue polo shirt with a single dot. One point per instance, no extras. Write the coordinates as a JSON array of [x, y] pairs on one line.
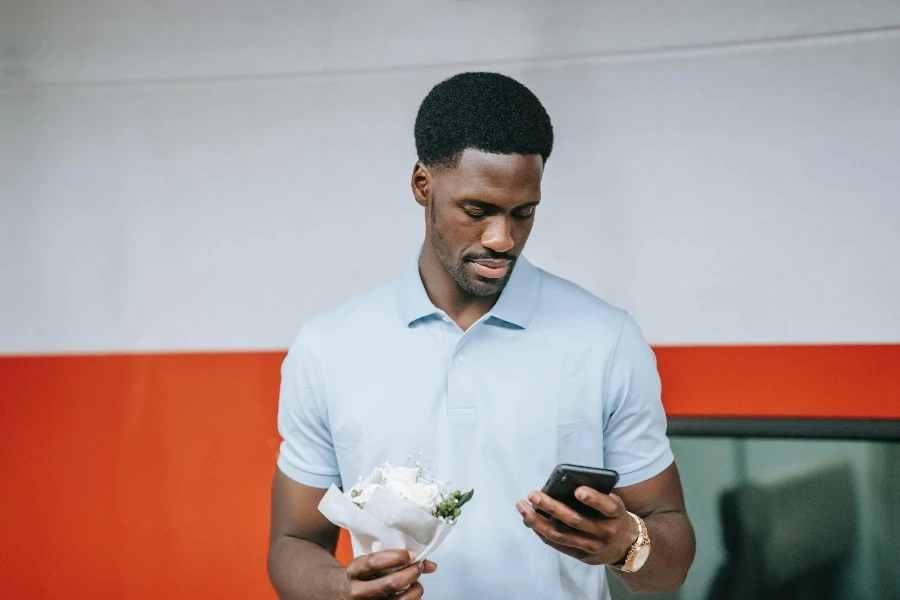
[[551, 374]]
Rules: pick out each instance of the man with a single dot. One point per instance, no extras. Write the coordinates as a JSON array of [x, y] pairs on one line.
[[496, 371]]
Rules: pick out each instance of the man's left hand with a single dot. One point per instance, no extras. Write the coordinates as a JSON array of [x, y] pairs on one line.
[[601, 539]]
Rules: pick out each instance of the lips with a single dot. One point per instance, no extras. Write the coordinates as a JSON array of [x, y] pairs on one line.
[[491, 268]]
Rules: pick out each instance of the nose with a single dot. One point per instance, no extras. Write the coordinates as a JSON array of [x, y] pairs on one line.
[[497, 236]]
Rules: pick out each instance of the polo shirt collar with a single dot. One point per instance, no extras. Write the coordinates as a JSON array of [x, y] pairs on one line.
[[411, 295], [516, 304], [519, 299]]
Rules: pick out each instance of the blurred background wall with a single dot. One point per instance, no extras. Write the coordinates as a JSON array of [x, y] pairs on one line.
[[183, 183]]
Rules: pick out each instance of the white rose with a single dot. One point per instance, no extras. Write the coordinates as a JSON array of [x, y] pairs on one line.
[[365, 494], [404, 475], [399, 488], [426, 495]]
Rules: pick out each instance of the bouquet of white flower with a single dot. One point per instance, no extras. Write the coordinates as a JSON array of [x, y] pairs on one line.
[[396, 508]]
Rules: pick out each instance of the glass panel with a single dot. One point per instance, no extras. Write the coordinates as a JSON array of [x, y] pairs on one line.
[[711, 466]]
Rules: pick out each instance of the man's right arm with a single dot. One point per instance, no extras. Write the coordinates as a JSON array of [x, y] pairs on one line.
[[301, 554], [301, 543]]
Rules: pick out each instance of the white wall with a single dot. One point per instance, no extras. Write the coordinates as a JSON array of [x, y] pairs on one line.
[[169, 170]]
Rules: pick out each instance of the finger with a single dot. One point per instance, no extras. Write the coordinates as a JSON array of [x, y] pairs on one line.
[[414, 592], [386, 585], [429, 567], [370, 565], [555, 533], [609, 505], [562, 512], [573, 552]]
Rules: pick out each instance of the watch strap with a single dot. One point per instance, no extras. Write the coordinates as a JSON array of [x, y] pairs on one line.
[[627, 564]]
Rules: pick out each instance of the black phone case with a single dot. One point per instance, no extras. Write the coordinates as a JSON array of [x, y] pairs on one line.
[[565, 479]]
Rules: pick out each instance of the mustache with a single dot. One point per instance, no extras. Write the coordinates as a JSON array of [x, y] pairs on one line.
[[490, 256]]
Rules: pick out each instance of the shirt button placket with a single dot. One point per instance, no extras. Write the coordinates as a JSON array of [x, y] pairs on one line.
[[460, 396]]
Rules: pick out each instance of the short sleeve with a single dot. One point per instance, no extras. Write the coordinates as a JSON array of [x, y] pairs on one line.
[[307, 453], [634, 442]]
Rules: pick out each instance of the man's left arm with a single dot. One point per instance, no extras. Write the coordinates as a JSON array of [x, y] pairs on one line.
[[606, 539], [660, 502], [636, 446]]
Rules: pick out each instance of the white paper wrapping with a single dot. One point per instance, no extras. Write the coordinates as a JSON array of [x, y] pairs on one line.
[[387, 522]]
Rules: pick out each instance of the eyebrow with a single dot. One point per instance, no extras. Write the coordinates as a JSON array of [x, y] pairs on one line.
[[488, 205]]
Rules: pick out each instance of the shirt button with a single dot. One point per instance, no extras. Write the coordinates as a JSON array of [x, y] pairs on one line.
[[461, 358]]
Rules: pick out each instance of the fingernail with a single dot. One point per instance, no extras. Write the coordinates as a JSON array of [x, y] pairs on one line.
[[412, 556], [582, 495], [520, 508], [535, 499]]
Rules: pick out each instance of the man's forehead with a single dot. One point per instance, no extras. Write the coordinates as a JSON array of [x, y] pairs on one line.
[[485, 171], [474, 160]]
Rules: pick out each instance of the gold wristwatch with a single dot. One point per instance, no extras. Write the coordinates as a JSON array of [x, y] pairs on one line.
[[639, 551]]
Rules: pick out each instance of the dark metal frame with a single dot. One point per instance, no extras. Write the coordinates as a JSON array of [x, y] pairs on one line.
[[842, 429]]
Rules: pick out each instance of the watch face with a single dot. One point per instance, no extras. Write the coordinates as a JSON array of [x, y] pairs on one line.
[[641, 557]]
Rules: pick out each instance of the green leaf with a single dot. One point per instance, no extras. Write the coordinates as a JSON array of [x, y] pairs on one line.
[[465, 498]]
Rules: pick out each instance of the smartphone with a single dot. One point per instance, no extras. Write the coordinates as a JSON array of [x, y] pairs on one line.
[[565, 479]]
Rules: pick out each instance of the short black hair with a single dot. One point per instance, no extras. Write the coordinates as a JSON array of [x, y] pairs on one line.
[[485, 111]]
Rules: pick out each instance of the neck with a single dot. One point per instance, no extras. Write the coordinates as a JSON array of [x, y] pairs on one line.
[[444, 293]]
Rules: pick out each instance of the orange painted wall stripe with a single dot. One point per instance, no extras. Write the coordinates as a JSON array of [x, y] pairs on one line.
[[137, 476], [823, 381], [147, 476]]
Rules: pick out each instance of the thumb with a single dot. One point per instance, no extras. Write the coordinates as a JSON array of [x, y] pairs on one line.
[[609, 505], [429, 567]]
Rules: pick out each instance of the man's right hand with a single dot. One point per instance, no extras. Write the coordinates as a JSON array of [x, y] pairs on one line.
[[366, 576], [301, 558]]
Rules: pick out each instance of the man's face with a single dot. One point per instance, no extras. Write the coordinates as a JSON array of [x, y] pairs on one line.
[[480, 216]]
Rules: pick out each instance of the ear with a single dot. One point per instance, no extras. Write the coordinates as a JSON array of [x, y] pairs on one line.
[[422, 183]]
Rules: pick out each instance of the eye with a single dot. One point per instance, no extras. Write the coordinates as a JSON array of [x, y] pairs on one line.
[[474, 212], [525, 213]]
